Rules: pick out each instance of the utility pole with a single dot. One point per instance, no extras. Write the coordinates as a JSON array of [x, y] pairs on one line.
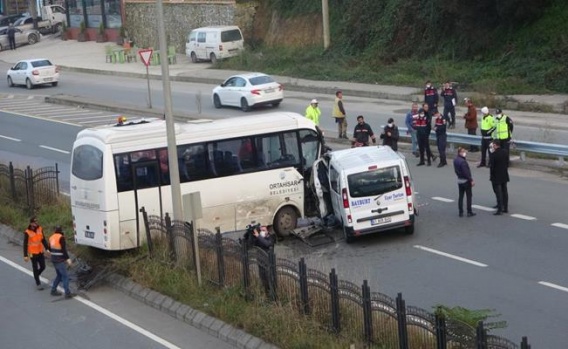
[[325, 19], [170, 127]]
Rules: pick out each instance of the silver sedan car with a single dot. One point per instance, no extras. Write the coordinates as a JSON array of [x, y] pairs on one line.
[[22, 37]]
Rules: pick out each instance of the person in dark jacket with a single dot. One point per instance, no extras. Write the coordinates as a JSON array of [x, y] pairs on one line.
[[499, 176], [11, 31], [422, 126], [450, 97], [465, 181], [471, 121], [363, 132], [441, 138], [60, 259], [390, 135], [431, 97]]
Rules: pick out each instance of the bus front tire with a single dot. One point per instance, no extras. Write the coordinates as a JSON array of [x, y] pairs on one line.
[[285, 221]]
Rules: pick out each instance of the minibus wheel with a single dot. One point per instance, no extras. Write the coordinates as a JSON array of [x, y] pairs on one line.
[[285, 220]]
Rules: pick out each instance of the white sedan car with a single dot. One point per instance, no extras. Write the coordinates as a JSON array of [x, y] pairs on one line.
[[33, 72], [248, 90]]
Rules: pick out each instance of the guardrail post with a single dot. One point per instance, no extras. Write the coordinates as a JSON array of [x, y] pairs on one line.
[[220, 259], [334, 297], [401, 320], [525, 343], [523, 156], [303, 279], [561, 162], [367, 315]]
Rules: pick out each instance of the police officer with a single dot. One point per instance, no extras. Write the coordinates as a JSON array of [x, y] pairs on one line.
[[450, 97], [487, 127], [60, 260], [34, 245], [503, 130], [431, 96], [441, 137], [313, 112], [363, 132], [422, 134]]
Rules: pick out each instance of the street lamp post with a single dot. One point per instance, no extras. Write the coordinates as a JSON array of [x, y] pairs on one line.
[[325, 19]]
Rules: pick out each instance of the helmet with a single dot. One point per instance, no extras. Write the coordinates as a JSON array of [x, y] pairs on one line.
[[485, 110], [314, 101]]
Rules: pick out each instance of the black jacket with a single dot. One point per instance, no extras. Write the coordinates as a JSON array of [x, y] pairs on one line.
[[498, 166], [362, 133], [391, 141]]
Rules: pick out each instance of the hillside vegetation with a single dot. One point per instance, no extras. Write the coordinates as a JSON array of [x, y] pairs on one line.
[[491, 46]]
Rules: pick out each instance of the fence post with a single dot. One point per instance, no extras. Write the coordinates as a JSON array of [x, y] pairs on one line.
[[147, 228], [525, 343], [170, 236], [57, 177], [188, 230], [367, 314], [401, 317], [220, 258], [28, 174], [272, 278], [441, 342], [481, 336], [303, 279], [334, 296], [246, 271], [12, 181]]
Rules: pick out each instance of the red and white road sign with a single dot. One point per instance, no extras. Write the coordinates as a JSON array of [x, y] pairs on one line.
[[146, 56]]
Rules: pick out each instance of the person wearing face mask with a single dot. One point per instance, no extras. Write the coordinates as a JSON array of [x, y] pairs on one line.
[[499, 176], [441, 137], [487, 127], [450, 97], [390, 135], [465, 182], [431, 97], [422, 134], [503, 130]]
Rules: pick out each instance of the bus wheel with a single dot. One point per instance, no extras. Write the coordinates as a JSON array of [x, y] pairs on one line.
[[285, 220]]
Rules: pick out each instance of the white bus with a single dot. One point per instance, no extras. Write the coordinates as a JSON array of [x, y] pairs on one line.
[[247, 169]]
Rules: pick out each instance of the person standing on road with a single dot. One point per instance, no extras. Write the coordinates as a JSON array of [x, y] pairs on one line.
[[499, 176], [34, 247], [362, 133], [431, 97], [422, 134], [11, 31], [441, 137], [60, 260], [339, 115], [503, 130], [410, 122], [471, 121], [313, 112], [465, 182], [450, 97], [390, 135], [487, 127]]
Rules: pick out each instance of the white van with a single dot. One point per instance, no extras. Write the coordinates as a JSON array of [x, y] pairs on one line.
[[214, 42], [368, 189]]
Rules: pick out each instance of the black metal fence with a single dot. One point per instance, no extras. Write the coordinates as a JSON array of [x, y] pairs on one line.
[[343, 307], [28, 188]]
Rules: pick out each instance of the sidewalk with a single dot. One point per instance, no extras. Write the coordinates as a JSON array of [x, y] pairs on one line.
[[89, 57]]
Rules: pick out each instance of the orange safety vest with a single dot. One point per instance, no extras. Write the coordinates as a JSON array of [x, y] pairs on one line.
[[34, 241], [55, 244]]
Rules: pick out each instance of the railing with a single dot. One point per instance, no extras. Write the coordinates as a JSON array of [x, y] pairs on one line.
[[523, 147]]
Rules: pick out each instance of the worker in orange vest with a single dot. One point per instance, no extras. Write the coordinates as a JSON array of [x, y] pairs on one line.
[[34, 247], [61, 261]]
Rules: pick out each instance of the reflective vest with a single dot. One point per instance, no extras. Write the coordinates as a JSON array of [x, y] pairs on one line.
[[336, 111], [487, 122], [55, 245], [34, 241], [501, 128], [313, 114]]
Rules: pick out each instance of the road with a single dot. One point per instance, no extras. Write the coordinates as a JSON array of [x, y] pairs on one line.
[[108, 319], [514, 264]]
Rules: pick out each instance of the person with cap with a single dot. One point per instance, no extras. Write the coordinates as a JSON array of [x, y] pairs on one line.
[[471, 121], [313, 112], [499, 176], [60, 259], [423, 134], [441, 137], [410, 122], [34, 247], [431, 96], [450, 97], [362, 133], [487, 128], [503, 130], [390, 135], [339, 114], [465, 182]]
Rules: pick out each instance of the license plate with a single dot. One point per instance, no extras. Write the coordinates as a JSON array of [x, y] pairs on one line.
[[270, 90], [380, 220], [48, 79], [89, 234]]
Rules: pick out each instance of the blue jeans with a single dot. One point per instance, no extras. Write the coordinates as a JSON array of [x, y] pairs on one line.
[[62, 276], [414, 140]]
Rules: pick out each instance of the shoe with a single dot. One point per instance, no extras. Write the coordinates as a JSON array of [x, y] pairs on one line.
[[442, 164], [416, 155], [498, 213], [69, 295], [40, 287], [471, 214], [496, 206], [56, 293], [434, 157], [420, 164], [460, 214], [505, 211], [480, 165]]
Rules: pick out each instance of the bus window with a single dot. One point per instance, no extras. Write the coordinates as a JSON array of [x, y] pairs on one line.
[[193, 166], [223, 156], [164, 167], [310, 144], [269, 150], [87, 163], [123, 174], [291, 151]]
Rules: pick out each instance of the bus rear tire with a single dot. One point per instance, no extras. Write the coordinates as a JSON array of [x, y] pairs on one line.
[[285, 220]]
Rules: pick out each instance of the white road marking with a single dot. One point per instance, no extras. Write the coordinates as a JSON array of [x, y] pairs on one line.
[[101, 310], [551, 285], [457, 258], [54, 149], [522, 216], [483, 208], [442, 199], [30, 97], [560, 225], [10, 138]]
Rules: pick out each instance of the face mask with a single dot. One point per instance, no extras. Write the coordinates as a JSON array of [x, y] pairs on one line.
[[464, 154], [263, 233], [428, 86], [390, 125], [491, 150]]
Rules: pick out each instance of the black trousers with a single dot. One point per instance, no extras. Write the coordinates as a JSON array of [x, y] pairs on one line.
[[38, 266], [484, 150], [506, 144], [502, 196], [465, 188], [424, 146], [441, 143], [450, 115], [12, 41]]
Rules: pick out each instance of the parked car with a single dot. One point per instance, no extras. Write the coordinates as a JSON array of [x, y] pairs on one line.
[[33, 72], [22, 37], [248, 90]]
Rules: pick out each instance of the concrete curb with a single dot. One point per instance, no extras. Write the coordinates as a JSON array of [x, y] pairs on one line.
[[169, 306]]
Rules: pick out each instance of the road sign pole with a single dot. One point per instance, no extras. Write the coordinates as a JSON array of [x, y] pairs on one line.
[[149, 93]]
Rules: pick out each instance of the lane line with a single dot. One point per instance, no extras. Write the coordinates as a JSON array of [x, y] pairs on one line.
[[448, 255], [522, 216], [11, 139], [483, 208], [101, 310], [54, 149], [551, 285], [442, 199], [560, 225]]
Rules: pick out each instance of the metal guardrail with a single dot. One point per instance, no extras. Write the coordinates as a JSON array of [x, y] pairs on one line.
[[523, 147]]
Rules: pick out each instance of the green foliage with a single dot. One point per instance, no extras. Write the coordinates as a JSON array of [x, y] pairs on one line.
[[471, 317], [291, 8]]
